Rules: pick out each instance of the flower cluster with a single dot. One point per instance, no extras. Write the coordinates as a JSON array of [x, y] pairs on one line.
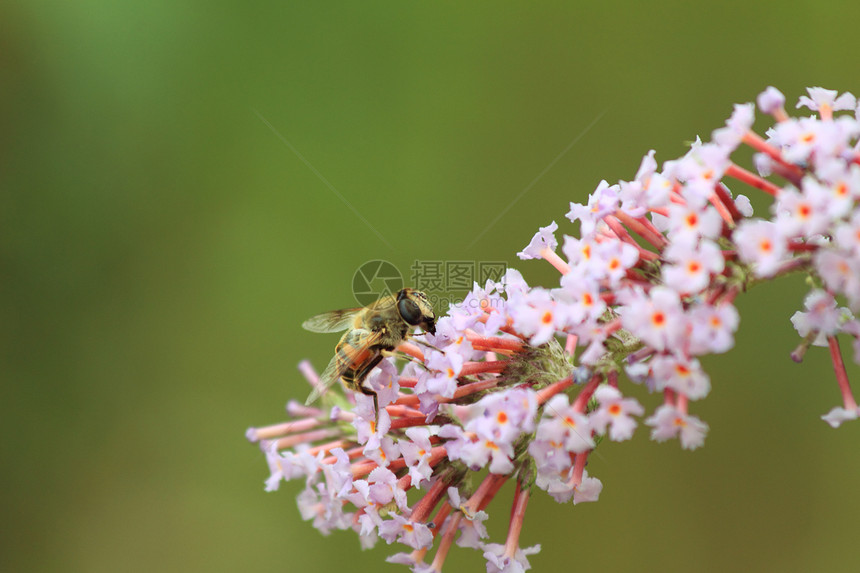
[[523, 381]]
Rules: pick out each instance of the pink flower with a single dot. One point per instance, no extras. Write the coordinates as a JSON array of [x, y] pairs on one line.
[[737, 126], [615, 412], [657, 317], [538, 315], [588, 490], [521, 382], [491, 428], [441, 378], [398, 528], [602, 202], [692, 266], [684, 375], [770, 100], [499, 562], [472, 528], [384, 381], [669, 422], [841, 273], [761, 244], [847, 235], [822, 317], [821, 99], [578, 302], [712, 328], [543, 239], [837, 416], [840, 186], [416, 451], [803, 214], [689, 222], [701, 168], [370, 426], [564, 425]]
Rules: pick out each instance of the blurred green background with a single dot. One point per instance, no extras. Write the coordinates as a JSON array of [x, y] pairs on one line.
[[161, 245]]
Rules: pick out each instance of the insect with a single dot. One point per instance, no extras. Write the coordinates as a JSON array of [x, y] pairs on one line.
[[372, 332]]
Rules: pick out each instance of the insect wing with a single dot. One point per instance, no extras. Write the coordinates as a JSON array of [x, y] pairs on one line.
[[329, 376], [354, 350], [333, 321]]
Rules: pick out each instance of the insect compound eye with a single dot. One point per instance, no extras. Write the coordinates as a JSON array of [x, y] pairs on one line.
[[409, 311]]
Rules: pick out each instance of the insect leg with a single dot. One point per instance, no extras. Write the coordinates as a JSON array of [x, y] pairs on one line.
[[362, 374]]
